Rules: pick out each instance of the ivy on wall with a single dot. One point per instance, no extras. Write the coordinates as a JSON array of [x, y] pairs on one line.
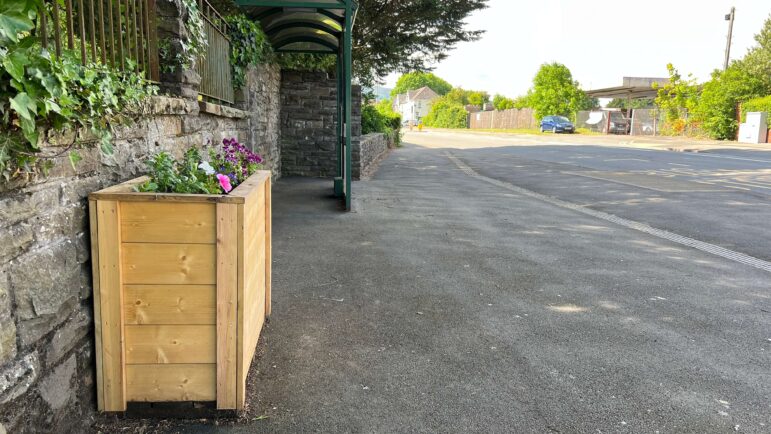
[[39, 91], [248, 46], [191, 48]]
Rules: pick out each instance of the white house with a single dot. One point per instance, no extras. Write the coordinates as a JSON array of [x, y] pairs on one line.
[[415, 104]]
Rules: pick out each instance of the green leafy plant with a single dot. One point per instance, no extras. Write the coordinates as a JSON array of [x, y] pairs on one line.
[[191, 48], [310, 62], [745, 79], [225, 170], [762, 104], [40, 92], [676, 95], [371, 120], [501, 102], [418, 79], [248, 46], [554, 92], [446, 113]]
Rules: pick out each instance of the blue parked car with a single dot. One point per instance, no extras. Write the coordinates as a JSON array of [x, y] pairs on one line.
[[557, 124]]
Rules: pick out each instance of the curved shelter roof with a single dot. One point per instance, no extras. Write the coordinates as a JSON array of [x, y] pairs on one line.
[[316, 26], [308, 26]]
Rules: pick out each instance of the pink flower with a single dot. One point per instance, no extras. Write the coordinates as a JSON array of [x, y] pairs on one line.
[[224, 182]]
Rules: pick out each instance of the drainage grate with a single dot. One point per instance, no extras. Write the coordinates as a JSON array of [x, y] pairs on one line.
[[631, 224]]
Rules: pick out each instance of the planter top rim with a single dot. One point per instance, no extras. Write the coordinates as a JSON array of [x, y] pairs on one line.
[[125, 192]]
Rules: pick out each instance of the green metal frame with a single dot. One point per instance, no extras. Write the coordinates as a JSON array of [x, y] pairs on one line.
[[343, 12]]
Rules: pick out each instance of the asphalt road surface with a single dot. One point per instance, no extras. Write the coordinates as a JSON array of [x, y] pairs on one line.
[[521, 287], [721, 196]]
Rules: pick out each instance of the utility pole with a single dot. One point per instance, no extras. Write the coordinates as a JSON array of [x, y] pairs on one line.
[[730, 18]]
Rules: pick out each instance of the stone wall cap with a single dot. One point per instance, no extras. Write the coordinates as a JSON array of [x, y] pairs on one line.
[[169, 105], [222, 110]]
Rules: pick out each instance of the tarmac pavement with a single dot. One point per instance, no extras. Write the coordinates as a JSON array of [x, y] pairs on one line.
[[457, 298]]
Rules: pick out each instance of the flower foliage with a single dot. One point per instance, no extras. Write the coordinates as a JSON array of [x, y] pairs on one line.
[[228, 167]]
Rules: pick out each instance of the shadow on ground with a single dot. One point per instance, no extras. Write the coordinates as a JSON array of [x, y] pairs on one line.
[[444, 304]]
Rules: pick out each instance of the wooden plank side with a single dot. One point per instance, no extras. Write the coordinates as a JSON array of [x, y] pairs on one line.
[[171, 264], [241, 371], [111, 306], [227, 307], [253, 271], [164, 344], [159, 222], [93, 225], [251, 184], [268, 245], [174, 382], [170, 304], [165, 197]]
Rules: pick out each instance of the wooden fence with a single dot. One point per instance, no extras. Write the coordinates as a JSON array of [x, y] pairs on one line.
[[503, 119], [214, 68], [110, 32]]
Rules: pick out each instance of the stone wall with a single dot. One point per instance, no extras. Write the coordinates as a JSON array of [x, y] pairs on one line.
[[367, 152], [308, 119], [46, 322], [260, 98]]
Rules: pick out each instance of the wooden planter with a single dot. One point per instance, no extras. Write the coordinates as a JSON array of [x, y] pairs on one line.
[[181, 291]]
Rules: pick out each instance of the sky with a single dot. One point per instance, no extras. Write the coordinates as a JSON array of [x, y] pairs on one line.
[[600, 41]]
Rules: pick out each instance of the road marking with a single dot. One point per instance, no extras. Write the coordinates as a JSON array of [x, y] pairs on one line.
[[627, 159], [631, 224], [727, 157]]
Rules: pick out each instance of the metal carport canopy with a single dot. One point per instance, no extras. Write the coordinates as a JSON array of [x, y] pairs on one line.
[[631, 92], [322, 27]]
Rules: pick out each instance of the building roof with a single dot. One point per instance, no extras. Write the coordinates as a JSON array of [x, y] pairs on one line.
[[424, 93], [633, 87]]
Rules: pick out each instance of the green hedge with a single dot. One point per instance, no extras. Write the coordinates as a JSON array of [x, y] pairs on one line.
[[762, 104], [446, 114], [380, 118]]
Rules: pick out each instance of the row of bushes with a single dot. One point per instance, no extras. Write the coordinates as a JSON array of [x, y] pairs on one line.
[[446, 114], [380, 118], [711, 106], [762, 104]]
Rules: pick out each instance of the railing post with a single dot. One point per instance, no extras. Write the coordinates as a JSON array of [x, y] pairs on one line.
[[170, 19]]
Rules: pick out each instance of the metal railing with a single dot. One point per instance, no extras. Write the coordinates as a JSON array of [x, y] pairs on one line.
[[214, 68], [110, 32]]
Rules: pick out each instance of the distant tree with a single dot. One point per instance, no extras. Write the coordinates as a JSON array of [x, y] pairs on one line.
[[500, 102], [554, 92], [385, 106], [677, 94], [521, 102], [464, 97], [418, 79], [716, 107], [478, 98], [757, 62], [746, 78], [457, 95], [635, 103], [408, 35]]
